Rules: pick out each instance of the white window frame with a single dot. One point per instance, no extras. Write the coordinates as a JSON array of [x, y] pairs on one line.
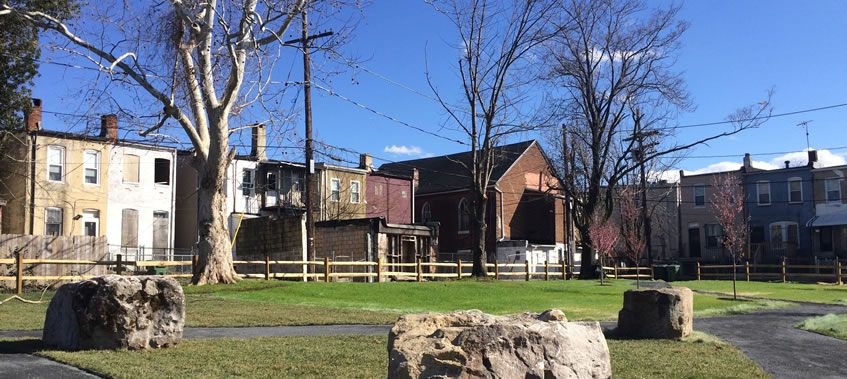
[[837, 181], [795, 180], [759, 192], [335, 193], [61, 219], [245, 185], [467, 228], [357, 192], [87, 216], [708, 228], [86, 165], [783, 225], [703, 187], [61, 150]]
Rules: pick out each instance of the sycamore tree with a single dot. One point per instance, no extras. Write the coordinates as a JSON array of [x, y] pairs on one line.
[[497, 39], [199, 64], [728, 208]]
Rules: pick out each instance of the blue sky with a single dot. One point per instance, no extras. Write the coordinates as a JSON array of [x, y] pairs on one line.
[[733, 52]]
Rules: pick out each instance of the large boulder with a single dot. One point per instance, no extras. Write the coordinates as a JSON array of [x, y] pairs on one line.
[[115, 312], [656, 313], [472, 344]]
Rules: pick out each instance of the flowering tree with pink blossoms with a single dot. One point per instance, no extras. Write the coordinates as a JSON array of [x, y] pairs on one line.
[[604, 236], [728, 208]]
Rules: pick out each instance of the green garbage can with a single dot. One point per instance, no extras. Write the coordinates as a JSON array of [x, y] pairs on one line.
[[157, 270], [660, 272], [672, 273]]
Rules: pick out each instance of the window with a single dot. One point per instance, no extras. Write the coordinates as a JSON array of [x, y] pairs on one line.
[[160, 230], [833, 189], [763, 189], [354, 192], [162, 171], [699, 196], [131, 167], [784, 232], [90, 222], [713, 235], [426, 213], [464, 215], [247, 182], [91, 167], [55, 163], [271, 184], [129, 228], [795, 190], [335, 189], [53, 221]]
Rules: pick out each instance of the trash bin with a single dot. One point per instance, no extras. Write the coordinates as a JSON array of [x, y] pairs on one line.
[[660, 272], [157, 270], [672, 272]]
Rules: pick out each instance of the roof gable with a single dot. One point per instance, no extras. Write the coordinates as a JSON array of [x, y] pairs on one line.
[[448, 173]]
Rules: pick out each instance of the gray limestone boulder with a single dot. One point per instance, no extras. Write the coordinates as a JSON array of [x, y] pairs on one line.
[[116, 312], [656, 313], [472, 344]]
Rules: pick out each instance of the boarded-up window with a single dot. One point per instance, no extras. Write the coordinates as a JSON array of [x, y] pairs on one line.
[[162, 171], [129, 228], [131, 168]]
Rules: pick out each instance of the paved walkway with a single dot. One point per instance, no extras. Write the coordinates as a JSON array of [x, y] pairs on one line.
[[767, 337]]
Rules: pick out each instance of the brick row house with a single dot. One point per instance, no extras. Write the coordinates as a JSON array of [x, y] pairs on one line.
[[525, 213], [69, 184]]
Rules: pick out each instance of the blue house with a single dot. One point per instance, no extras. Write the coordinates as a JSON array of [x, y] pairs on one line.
[[779, 204]]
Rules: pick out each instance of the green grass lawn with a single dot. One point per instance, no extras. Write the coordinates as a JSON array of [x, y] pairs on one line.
[[832, 325], [263, 303], [814, 293], [366, 357]]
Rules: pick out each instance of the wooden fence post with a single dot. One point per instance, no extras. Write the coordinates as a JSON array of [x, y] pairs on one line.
[[267, 267], [527, 270], [326, 269], [783, 271], [118, 267], [496, 269], [652, 272], [839, 273], [459, 268], [379, 270], [19, 276], [194, 259], [564, 270], [747, 269], [419, 271], [546, 270], [616, 270], [698, 270]]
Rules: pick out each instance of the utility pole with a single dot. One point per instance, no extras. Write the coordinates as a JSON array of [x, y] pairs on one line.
[[310, 164], [566, 209], [640, 135]]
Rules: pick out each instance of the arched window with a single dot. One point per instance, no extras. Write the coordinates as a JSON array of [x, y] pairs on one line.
[[464, 215], [426, 213]]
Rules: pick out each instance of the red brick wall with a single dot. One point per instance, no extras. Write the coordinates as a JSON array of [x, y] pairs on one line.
[[390, 198]]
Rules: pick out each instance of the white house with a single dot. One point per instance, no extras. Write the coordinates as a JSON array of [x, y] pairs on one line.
[[141, 200]]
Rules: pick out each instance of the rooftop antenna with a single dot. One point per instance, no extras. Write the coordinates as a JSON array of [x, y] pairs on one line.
[[805, 124]]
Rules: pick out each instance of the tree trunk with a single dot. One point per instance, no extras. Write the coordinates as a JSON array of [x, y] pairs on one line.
[[478, 229], [214, 263], [585, 271]]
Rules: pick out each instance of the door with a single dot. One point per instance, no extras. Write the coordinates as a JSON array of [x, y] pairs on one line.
[[694, 242], [160, 234]]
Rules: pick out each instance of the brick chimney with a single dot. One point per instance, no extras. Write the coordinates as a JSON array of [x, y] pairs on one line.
[[748, 162], [787, 164], [109, 126], [366, 162], [32, 120], [258, 142], [813, 158]]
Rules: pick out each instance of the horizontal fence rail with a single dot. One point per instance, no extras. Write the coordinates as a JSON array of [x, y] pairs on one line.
[[639, 272], [784, 271]]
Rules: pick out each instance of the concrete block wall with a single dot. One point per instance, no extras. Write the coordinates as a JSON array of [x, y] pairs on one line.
[[281, 239]]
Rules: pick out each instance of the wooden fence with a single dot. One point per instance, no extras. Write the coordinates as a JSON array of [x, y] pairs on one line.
[[617, 272], [53, 248], [315, 270], [783, 272]]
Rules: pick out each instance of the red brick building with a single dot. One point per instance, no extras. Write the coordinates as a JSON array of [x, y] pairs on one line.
[[525, 212], [390, 197]]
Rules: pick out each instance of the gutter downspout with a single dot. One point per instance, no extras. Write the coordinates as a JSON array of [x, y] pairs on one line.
[[502, 231], [413, 200], [33, 141]]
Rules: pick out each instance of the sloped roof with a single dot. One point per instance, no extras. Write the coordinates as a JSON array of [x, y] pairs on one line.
[[447, 172]]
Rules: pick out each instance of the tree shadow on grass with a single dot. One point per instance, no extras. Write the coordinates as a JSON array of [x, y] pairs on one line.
[[21, 346]]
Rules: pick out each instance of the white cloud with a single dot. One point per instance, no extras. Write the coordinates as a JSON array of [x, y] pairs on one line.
[[406, 150], [826, 158]]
